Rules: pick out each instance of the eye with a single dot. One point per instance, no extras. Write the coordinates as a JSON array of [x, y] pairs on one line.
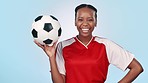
[[90, 20], [80, 19]]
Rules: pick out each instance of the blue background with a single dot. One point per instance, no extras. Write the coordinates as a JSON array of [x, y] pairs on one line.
[[21, 61]]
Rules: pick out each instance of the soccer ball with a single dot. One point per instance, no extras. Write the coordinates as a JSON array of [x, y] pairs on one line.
[[46, 29]]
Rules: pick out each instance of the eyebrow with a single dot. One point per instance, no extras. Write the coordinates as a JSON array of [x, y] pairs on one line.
[[87, 17]]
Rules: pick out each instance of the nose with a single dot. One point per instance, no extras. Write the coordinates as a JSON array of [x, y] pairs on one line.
[[85, 23]]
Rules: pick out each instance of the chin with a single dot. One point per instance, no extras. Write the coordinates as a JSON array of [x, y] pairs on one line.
[[85, 35]]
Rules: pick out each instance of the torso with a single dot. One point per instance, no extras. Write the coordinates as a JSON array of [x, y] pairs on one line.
[[85, 64]]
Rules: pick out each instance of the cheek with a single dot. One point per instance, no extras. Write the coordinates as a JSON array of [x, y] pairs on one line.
[[77, 24], [92, 25]]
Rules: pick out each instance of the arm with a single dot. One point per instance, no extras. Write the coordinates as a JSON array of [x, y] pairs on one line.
[[56, 76], [50, 51], [135, 69]]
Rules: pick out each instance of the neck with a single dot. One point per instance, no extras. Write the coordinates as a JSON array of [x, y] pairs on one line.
[[84, 40]]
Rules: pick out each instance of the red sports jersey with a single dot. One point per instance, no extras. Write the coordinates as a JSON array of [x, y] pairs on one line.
[[89, 63]]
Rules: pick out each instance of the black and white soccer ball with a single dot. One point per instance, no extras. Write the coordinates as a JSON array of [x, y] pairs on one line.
[[46, 29]]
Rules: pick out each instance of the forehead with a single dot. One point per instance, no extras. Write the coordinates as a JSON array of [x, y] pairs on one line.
[[84, 11]]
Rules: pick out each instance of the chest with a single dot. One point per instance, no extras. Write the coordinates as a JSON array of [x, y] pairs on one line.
[[76, 54]]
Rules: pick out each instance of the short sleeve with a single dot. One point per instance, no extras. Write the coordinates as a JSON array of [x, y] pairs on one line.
[[59, 59], [118, 56]]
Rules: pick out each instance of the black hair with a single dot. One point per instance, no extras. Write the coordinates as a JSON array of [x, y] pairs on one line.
[[83, 6]]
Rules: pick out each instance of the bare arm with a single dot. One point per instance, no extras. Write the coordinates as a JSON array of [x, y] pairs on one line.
[[50, 51], [56, 76], [135, 69]]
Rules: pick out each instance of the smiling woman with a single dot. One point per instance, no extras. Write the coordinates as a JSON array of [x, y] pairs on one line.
[[86, 58], [123, 21], [85, 22]]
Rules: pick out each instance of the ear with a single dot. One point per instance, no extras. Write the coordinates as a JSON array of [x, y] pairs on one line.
[[75, 22], [96, 23]]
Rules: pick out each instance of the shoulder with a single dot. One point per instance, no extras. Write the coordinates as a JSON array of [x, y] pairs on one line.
[[67, 42], [107, 42], [101, 40]]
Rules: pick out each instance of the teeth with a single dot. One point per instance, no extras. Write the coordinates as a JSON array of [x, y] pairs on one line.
[[85, 30]]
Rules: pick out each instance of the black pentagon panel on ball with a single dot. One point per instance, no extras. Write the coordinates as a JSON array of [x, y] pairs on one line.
[[47, 41], [34, 33], [54, 17], [59, 31], [38, 18], [48, 27]]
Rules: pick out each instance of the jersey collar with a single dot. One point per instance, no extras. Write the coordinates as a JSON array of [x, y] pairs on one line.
[[86, 46]]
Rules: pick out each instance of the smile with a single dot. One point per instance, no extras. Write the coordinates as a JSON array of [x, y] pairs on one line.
[[85, 30]]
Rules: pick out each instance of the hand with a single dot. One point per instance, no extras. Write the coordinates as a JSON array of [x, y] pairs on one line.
[[49, 50]]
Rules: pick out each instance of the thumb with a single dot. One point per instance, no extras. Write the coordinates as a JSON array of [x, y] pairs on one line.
[[54, 44]]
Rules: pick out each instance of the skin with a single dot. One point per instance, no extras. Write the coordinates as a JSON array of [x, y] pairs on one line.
[[50, 51], [135, 69], [86, 22]]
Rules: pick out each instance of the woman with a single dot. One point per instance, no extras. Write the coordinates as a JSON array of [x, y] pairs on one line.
[[85, 58]]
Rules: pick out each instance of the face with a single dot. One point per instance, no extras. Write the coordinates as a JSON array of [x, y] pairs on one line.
[[85, 21]]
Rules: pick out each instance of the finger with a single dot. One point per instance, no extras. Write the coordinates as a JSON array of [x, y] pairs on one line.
[[40, 45], [45, 46], [54, 44]]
